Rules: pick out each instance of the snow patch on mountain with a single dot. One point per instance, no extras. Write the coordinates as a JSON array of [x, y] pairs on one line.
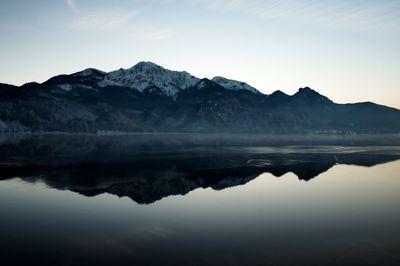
[[234, 85], [202, 84], [147, 74], [65, 87]]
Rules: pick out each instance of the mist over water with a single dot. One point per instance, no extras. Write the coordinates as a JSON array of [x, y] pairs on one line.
[[186, 199]]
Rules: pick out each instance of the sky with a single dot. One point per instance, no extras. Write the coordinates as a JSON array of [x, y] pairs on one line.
[[346, 50]]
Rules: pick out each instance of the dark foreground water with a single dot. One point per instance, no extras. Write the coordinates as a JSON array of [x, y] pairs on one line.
[[199, 200]]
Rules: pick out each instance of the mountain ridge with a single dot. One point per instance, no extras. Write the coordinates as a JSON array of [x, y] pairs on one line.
[[150, 98]]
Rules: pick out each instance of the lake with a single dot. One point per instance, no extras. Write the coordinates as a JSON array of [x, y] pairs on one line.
[[182, 199]]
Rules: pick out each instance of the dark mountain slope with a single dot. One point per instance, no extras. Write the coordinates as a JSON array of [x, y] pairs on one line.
[[150, 98]]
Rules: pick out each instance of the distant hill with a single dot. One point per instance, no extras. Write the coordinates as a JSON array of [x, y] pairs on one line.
[[149, 98]]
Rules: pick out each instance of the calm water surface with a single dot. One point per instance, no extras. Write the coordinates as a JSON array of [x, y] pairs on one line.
[[194, 201]]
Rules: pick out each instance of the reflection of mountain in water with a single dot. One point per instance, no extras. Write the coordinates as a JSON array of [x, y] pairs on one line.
[[146, 175]]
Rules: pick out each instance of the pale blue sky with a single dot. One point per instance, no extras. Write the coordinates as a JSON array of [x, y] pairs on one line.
[[346, 50]]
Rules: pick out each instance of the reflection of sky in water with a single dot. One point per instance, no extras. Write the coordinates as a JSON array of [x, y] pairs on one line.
[[347, 214]]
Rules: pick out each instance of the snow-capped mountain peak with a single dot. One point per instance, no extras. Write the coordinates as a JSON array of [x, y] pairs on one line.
[[148, 74], [147, 67], [234, 85]]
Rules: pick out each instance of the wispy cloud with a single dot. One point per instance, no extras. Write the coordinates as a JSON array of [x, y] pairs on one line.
[[101, 19], [356, 15], [352, 15], [72, 5], [98, 19]]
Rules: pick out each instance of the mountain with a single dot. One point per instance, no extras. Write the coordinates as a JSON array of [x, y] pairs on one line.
[[146, 75], [234, 85], [150, 98]]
